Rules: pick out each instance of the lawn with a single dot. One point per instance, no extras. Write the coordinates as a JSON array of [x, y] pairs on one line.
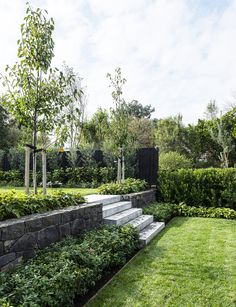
[[82, 191], [191, 263]]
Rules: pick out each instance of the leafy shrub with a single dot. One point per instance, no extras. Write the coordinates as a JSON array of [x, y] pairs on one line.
[[212, 187], [130, 185], [74, 177], [15, 205], [171, 161], [164, 212], [68, 268]]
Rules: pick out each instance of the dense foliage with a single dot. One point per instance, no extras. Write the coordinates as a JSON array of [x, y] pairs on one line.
[[70, 177], [172, 160], [164, 212], [15, 205], [130, 185], [69, 268], [209, 187]]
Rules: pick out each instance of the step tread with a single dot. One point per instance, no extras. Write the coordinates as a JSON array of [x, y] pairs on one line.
[[115, 208], [123, 217], [115, 205], [141, 221], [124, 213], [148, 233]]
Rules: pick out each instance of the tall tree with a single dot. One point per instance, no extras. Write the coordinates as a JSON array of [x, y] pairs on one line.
[[73, 112], [34, 90], [136, 109], [119, 119]]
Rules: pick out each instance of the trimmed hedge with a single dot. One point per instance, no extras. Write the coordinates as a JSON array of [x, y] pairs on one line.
[[212, 187], [15, 205], [68, 268], [164, 212], [130, 185], [79, 176]]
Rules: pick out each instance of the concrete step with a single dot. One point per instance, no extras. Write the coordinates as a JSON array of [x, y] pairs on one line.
[[123, 217], [141, 221], [148, 233], [102, 199], [114, 208]]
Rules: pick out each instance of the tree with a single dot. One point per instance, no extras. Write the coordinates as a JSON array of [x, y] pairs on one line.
[[224, 139], [169, 134], [96, 130], [142, 131], [136, 109], [34, 90], [73, 112], [119, 120], [211, 110]]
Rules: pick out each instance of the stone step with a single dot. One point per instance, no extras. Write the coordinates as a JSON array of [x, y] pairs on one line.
[[141, 221], [123, 217], [102, 199], [148, 233], [114, 208]]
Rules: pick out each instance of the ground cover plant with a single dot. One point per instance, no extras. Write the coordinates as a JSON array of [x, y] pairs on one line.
[[130, 185], [212, 187], [82, 191], [191, 263], [164, 212], [15, 205], [68, 268]]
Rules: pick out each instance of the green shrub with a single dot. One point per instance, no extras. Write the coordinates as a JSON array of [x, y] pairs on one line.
[[130, 185], [171, 161], [164, 212], [15, 205], [68, 268], [212, 187]]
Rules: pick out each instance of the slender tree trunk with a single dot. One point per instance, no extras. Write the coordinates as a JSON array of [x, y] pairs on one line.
[[119, 167], [35, 154], [44, 169], [27, 169], [123, 165]]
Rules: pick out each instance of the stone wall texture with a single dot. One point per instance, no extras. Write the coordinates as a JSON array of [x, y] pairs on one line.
[[141, 199], [20, 237]]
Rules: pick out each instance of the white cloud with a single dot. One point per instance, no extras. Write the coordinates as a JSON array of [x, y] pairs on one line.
[[173, 57]]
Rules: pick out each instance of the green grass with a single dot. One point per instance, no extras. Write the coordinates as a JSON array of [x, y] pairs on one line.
[[82, 191], [191, 263]]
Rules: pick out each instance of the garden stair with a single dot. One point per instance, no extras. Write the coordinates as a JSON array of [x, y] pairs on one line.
[[119, 212]]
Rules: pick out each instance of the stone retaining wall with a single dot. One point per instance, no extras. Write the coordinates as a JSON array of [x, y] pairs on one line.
[[20, 237], [141, 199]]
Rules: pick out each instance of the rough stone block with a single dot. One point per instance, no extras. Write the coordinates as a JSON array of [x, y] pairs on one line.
[[26, 242], [51, 219], [77, 226], [13, 231], [33, 224], [47, 236], [5, 259], [64, 230], [1, 249]]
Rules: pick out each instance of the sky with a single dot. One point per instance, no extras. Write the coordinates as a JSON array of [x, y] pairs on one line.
[[176, 55]]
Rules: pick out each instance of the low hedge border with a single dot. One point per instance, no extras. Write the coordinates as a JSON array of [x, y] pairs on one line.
[[130, 185], [16, 205], [164, 212], [69, 268]]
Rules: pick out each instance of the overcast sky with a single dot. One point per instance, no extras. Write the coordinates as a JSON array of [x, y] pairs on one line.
[[175, 54]]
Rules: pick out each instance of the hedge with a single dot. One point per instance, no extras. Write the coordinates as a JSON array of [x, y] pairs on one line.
[[130, 185], [68, 268], [211, 187], [15, 205], [164, 212], [71, 177]]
